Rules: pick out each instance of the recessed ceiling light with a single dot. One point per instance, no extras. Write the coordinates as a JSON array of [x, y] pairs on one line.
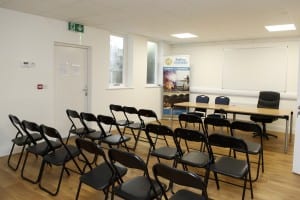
[[282, 27], [184, 35]]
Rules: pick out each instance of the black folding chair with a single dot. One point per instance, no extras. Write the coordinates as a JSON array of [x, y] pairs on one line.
[[20, 139], [182, 178], [35, 148], [156, 149], [238, 168], [201, 158], [139, 187], [114, 137], [100, 176], [58, 157], [134, 123], [254, 148], [77, 127]]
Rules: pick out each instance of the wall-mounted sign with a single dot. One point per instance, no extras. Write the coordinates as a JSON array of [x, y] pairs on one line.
[[72, 26]]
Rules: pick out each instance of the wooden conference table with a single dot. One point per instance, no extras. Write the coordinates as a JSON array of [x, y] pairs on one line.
[[247, 110]]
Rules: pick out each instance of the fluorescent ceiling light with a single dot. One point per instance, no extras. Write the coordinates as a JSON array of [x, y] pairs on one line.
[[282, 27], [184, 35]]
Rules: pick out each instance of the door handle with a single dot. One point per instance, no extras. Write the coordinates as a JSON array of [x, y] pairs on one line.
[[85, 90]]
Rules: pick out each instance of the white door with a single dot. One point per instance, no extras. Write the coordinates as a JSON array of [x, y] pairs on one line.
[[71, 88], [296, 163]]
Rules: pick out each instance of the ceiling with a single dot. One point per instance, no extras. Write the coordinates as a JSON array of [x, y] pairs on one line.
[[211, 20]]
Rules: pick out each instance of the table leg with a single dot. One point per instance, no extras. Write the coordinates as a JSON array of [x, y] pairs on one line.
[[286, 136]]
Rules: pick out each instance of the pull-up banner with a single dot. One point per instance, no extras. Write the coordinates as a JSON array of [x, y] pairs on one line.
[[176, 78]]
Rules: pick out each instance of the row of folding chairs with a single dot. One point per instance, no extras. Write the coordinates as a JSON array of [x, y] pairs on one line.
[[111, 175], [122, 117], [43, 142], [227, 164]]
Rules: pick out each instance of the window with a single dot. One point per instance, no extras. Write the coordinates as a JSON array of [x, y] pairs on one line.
[[152, 63], [117, 61]]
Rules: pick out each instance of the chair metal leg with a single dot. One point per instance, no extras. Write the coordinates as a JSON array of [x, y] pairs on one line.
[[78, 190], [19, 160], [23, 171]]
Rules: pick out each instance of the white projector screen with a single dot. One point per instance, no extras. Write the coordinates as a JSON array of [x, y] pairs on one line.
[[260, 68]]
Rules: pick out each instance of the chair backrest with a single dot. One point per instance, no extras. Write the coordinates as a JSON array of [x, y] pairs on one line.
[[156, 130], [48, 133], [186, 119], [216, 122], [201, 99], [222, 100], [117, 112], [92, 148], [226, 141], [17, 124], [75, 119], [128, 159], [247, 127], [147, 115], [31, 127], [268, 99], [183, 134], [131, 114], [88, 118], [180, 177], [106, 123]]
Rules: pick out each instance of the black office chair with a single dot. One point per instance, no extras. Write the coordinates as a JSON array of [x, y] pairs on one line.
[[201, 112], [20, 139], [266, 99], [182, 178], [77, 127], [101, 176], [219, 113], [254, 148], [238, 168], [140, 187]]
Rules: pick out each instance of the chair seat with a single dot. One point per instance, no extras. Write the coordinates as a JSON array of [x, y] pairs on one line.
[[135, 189], [43, 148], [24, 139], [81, 131], [115, 139], [195, 158], [101, 176], [263, 119], [185, 194], [230, 167], [95, 135], [60, 156], [123, 122], [134, 125], [168, 153], [199, 114], [253, 147]]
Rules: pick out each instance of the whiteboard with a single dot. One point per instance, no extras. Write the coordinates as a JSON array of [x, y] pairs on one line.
[[259, 68]]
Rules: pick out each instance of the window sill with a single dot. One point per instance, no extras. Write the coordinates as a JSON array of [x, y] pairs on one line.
[[118, 87], [153, 86]]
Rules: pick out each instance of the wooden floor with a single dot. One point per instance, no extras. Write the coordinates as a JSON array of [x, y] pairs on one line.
[[277, 183]]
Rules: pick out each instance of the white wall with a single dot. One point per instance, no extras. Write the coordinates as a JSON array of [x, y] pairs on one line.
[[207, 61], [27, 37]]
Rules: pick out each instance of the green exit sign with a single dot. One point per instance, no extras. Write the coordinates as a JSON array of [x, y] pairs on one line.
[[76, 27]]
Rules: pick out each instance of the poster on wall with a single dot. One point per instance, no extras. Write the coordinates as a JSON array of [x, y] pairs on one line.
[[176, 77]]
